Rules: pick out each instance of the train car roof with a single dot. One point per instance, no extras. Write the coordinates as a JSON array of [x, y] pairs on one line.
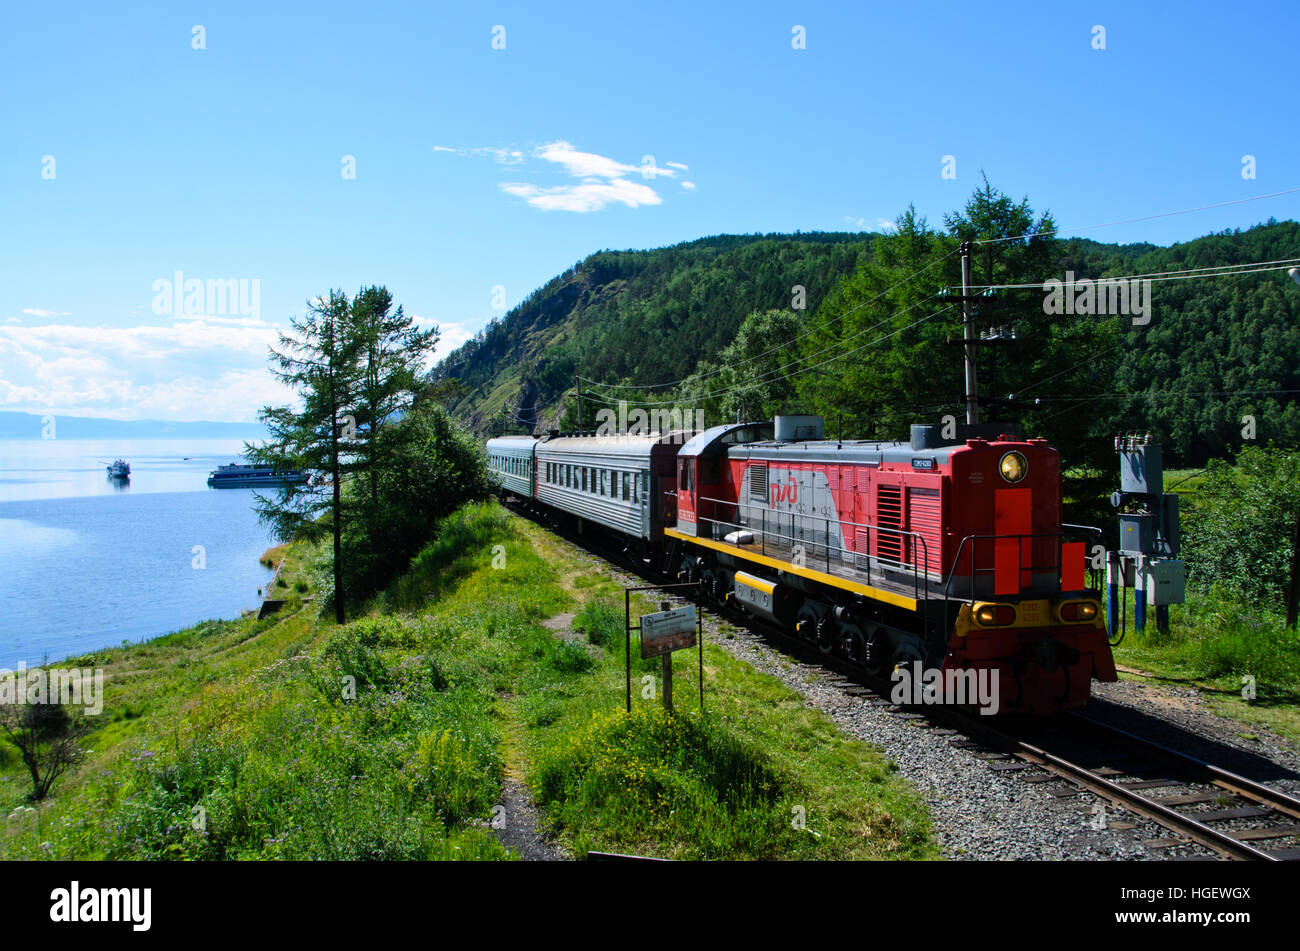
[[512, 443], [611, 445], [830, 450]]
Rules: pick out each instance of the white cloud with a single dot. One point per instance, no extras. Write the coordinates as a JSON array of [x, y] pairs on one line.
[[684, 168], [34, 312], [592, 195], [192, 369], [882, 224], [590, 165], [603, 181], [451, 335], [503, 155]]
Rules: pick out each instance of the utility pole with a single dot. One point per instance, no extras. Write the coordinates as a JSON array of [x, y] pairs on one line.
[[968, 335], [1293, 593]]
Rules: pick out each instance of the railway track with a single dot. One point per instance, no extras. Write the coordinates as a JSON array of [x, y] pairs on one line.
[[1226, 815], [1232, 816]]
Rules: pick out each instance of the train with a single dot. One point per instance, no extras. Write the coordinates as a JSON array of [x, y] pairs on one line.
[[945, 553]]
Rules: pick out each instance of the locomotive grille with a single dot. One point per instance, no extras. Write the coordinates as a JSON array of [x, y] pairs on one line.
[[863, 548], [758, 483], [889, 514]]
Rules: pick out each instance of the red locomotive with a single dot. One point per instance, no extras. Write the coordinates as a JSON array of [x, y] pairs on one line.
[[939, 555]]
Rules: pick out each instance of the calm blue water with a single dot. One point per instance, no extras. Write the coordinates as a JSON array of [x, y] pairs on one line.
[[86, 562]]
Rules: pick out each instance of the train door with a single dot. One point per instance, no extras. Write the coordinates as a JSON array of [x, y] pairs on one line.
[[687, 513]]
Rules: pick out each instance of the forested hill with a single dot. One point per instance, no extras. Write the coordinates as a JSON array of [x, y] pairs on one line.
[[646, 316], [870, 344]]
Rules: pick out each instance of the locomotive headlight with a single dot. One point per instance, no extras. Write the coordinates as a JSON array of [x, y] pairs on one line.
[[1074, 612], [1013, 466], [995, 615]]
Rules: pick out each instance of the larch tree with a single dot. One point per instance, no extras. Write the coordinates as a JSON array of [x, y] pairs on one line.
[[319, 359]]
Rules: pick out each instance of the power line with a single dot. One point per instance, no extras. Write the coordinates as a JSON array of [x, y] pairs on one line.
[[1056, 232], [784, 375], [782, 346], [1155, 277], [778, 371]]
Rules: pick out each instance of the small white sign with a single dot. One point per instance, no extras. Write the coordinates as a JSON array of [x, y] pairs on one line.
[[667, 631]]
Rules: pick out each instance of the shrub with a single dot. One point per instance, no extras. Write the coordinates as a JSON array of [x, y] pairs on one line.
[[602, 622], [460, 775], [570, 657], [1239, 527]]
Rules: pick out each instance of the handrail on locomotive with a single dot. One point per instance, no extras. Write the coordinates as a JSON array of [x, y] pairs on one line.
[[862, 561]]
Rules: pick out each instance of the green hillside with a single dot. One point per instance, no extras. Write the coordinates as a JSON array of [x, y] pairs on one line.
[[714, 324], [645, 316]]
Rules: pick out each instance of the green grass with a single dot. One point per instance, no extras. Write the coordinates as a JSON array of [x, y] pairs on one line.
[[1214, 642], [758, 775], [389, 737]]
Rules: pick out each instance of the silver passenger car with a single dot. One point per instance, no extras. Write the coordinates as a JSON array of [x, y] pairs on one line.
[[510, 463], [606, 479]]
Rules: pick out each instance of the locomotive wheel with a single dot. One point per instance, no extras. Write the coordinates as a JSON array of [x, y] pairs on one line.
[[869, 650], [708, 582], [723, 581], [826, 633], [805, 623], [855, 643]]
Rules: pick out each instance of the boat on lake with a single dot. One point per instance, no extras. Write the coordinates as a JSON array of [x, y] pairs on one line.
[[236, 476], [119, 469]]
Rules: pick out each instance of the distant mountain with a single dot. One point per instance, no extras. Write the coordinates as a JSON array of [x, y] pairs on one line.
[[34, 426]]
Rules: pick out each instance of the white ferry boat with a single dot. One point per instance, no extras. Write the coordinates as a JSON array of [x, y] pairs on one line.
[[235, 476]]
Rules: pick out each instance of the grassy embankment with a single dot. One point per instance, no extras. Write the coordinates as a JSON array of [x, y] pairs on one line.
[[1215, 641], [389, 737]]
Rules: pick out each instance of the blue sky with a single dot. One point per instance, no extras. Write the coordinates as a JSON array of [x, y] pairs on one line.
[[479, 168]]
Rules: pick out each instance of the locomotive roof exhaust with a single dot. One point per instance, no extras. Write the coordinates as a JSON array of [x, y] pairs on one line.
[[799, 428], [932, 436]]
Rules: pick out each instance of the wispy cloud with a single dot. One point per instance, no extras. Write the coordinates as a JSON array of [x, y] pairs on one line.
[[602, 180], [882, 224], [34, 312], [588, 196], [506, 156]]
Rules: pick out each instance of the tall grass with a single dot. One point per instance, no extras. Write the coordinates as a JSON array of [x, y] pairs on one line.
[[1214, 635], [652, 776]]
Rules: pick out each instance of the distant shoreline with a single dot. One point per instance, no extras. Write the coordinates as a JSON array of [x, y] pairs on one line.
[[33, 426]]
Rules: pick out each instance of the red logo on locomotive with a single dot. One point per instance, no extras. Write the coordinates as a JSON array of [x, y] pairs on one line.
[[786, 493]]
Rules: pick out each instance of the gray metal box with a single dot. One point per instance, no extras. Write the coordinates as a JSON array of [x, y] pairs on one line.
[[1166, 582], [1137, 533], [1142, 470]]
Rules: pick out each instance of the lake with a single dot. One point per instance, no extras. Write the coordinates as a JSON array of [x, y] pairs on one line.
[[88, 562]]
